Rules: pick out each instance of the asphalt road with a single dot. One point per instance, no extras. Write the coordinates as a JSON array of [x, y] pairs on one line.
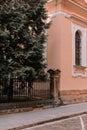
[[73, 123]]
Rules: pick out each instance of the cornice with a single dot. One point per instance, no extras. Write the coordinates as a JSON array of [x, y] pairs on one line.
[[78, 17], [68, 15], [78, 5]]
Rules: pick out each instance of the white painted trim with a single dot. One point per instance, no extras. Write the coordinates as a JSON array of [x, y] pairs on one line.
[[55, 13], [75, 71], [49, 1], [68, 15]]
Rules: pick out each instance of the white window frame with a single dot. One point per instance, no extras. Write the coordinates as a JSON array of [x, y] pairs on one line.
[[79, 70]]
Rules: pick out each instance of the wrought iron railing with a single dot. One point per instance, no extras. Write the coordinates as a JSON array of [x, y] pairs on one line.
[[23, 90]]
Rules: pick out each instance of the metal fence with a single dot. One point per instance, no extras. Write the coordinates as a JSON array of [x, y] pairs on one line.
[[16, 92], [20, 91]]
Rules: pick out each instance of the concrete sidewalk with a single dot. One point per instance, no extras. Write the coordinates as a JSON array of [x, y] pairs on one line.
[[26, 119]]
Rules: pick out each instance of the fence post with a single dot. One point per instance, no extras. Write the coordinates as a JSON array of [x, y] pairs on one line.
[[57, 95], [51, 72], [55, 86], [10, 90]]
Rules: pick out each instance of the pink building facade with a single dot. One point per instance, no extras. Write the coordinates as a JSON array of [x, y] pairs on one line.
[[67, 46]]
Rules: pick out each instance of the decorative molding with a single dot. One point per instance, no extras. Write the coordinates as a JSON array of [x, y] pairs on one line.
[[74, 3], [78, 5], [49, 1], [67, 15], [55, 13], [79, 70], [78, 17]]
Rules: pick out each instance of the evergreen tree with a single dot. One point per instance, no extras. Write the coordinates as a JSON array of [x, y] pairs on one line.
[[22, 36]]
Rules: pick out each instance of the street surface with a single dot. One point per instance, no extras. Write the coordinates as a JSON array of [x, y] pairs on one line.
[[74, 123]]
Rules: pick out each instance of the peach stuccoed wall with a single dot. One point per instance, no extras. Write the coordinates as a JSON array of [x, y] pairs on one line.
[[68, 81], [54, 43], [59, 53]]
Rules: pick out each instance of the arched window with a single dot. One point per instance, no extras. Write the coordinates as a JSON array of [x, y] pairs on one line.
[[77, 48]]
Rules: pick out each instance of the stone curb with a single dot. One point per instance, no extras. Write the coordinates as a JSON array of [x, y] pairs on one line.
[[47, 121]]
